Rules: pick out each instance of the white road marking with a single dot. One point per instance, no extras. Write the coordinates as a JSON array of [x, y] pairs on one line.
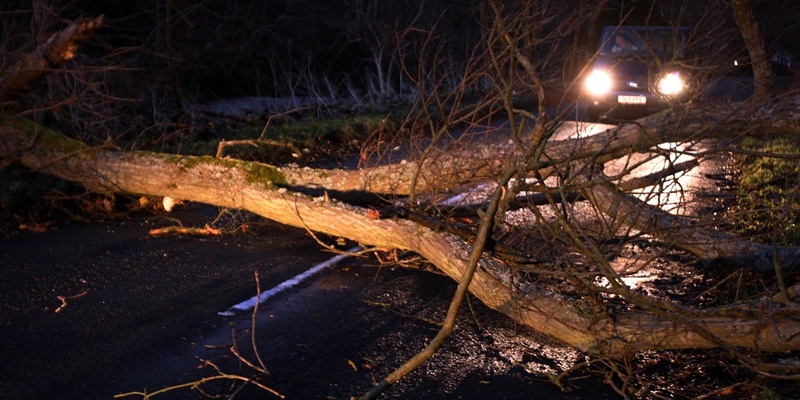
[[453, 200], [263, 296]]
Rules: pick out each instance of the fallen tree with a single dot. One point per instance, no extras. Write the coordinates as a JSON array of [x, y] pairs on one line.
[[262, 189], [561, 280]]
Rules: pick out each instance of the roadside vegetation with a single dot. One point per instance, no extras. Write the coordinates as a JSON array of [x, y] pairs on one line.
[[301, 137], [768, 187]]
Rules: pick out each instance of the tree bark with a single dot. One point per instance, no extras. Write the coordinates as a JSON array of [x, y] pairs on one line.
[[260, 189], [762, 70]]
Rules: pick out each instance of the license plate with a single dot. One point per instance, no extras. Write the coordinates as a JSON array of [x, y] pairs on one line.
[[632, 99]]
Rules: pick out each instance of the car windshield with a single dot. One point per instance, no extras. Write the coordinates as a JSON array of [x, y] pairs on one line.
[[660, 41]]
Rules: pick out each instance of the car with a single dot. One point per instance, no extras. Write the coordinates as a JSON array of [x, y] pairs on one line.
[[638, 70]]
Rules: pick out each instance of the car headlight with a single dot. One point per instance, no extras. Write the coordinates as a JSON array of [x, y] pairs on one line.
[[598, 82], [671, 84]]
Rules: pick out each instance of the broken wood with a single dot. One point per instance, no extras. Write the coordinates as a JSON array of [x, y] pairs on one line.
[[182, 230], [65, 298]]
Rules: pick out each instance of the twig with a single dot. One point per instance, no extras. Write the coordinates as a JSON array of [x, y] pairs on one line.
[[65, 298], [723, 391], [263, 368], [738, 273], [182, 230], [195, 384]]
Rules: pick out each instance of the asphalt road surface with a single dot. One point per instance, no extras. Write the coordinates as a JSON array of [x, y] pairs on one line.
[[142, 313]]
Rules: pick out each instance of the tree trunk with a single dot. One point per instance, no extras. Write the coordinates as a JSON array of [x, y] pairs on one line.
[[762, 70]]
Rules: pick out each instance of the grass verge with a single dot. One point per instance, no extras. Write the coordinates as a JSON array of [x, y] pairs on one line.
[[768, 207]]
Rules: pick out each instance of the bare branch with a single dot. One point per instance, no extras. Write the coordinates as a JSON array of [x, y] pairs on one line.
[[29, 68]]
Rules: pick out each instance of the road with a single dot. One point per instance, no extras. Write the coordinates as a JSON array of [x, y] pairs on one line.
[[141, 312], [126, 293]]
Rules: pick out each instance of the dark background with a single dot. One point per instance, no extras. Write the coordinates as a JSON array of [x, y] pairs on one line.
[[214, 49]]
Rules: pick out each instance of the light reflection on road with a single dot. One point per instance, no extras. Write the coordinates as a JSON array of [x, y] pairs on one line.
[[675, 194], [672, 194]]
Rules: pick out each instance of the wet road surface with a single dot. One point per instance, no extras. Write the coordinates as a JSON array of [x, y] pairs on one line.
[[142, 312]]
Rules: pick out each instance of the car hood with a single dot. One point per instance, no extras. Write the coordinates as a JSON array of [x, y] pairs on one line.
[[627, 67]]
